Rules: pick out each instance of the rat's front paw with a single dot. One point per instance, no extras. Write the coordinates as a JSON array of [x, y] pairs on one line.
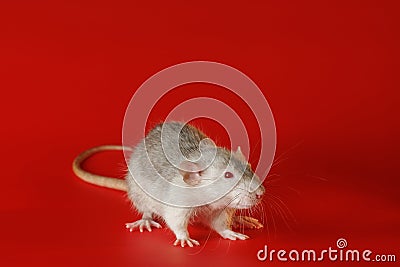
[[229, 234], [246, 221], [148, 223], [184, 241]]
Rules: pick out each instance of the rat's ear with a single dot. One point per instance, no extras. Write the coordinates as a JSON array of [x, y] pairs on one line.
[[190, 172], [240, 155]]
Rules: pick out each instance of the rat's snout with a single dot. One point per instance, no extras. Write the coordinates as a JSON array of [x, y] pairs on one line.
[[260, 192]]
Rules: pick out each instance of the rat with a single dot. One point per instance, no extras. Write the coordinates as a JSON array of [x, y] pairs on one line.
[[172, 161]]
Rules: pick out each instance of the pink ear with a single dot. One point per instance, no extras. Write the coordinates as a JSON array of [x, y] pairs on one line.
[[240, 155], [190, 172]]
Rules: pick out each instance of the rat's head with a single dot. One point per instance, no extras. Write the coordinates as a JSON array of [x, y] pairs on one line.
[[230, 177], [248, 190]]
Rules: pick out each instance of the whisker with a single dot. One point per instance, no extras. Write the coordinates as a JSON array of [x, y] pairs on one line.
[[210, 230], [279, 211], [318, 177], [272, 218], [284, 207], [282, 210], [264, 221], [279, 159], [277, 162], [294, 190], [290, 149]]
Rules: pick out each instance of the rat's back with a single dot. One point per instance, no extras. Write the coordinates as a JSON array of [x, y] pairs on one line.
[[156, 156]]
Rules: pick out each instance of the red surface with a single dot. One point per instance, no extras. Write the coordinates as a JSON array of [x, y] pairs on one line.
[[329, 70]]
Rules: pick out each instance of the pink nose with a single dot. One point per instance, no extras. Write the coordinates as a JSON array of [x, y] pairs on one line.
[[260, 192]]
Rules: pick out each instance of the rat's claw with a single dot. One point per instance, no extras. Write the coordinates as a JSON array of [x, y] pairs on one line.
[[147, 224], [187, 241], [229, 234], [246, 221], [155, 224], [141, 224]]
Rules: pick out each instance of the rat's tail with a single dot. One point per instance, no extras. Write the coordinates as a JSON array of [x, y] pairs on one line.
[[99, 180]]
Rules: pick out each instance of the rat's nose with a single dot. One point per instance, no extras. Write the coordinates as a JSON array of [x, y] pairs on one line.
[[260, 192]]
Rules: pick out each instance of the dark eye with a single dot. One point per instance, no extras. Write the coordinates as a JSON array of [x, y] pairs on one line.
[[228, 175]]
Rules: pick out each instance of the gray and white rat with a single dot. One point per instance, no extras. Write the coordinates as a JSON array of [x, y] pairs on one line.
[[177, 174]]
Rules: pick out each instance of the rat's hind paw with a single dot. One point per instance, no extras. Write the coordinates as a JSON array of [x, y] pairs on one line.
[[148, 223], [229, 234], [185, 241], [247, 222]]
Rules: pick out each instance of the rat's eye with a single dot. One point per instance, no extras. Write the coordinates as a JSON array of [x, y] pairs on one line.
[[228, 175]]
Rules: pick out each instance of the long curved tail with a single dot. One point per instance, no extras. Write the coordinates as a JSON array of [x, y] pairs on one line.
[[95, 179]]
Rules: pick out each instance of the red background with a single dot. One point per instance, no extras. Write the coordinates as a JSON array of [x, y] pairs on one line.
[[69, 68]]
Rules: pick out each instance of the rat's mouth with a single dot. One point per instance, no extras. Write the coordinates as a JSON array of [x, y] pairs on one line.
[[247, 202], [244, 206]]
